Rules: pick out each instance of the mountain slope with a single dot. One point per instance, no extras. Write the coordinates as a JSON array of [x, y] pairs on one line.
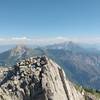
[[9, 58], [82, 66], [45, 81]]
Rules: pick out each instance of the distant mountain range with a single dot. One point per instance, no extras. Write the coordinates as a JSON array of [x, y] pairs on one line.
[[81, 65]]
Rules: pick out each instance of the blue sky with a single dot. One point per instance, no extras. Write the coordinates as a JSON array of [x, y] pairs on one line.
[[49, 18]]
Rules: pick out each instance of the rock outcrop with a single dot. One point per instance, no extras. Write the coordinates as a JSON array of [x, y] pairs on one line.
[[37, 78]]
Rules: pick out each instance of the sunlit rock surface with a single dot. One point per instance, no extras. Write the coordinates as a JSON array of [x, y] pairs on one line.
[[37, 78]]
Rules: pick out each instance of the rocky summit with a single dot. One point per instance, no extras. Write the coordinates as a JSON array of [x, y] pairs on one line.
[[37, 78]]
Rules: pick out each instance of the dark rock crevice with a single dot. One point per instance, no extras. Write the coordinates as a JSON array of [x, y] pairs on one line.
[[64, 84]]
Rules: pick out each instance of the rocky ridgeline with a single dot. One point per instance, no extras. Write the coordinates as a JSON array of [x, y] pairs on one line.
[[37, 78]]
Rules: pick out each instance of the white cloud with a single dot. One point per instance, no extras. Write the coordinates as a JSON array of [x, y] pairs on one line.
[[14, 40], [41, 41], [20, 38], [2, 39]]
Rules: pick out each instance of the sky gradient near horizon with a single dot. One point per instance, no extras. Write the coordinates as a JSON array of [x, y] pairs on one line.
[[49, 18]]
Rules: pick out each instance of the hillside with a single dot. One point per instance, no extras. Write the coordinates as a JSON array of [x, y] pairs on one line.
[[81, 65], [9, 57], [39, 78]]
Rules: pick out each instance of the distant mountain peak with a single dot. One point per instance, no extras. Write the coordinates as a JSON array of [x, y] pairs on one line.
[[68, 45], [20, 47], [19, 50]]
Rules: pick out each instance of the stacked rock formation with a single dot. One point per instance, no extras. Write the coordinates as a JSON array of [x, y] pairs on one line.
[[37, 78]]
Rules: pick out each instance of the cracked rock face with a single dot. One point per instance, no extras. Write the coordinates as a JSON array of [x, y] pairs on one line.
[[37, 78]]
